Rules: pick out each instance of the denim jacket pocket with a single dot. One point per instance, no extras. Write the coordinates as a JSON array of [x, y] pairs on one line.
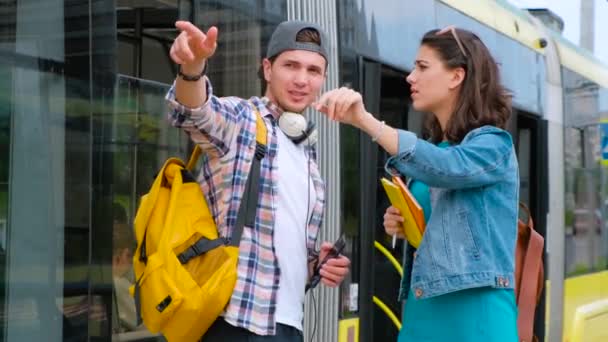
[[462, 244]]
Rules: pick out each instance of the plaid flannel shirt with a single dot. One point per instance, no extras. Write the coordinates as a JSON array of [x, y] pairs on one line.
[[225, 129]]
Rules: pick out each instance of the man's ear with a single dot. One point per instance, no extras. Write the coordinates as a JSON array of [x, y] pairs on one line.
[[267, 68], [458, 75]]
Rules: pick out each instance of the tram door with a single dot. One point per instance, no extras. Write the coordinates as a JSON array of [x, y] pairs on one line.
[[529, 134], [386, 94]]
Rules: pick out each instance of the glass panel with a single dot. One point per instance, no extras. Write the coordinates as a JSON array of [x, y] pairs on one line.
[[44, 173], [586, 249], [145, 32], [6, 95]]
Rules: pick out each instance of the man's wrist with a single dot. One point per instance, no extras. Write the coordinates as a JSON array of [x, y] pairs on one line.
[[194, 68], [192, 72]]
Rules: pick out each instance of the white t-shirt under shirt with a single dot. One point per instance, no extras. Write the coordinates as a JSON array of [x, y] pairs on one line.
[[290, 229]]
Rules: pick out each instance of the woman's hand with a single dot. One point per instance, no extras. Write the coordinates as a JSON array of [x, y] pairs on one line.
[[346, 106], [392, 222], [343, 105]]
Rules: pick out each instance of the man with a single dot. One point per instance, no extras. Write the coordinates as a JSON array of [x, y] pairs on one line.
[[278, 253]]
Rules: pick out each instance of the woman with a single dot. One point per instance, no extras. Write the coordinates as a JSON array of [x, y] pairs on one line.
[[459, 286]]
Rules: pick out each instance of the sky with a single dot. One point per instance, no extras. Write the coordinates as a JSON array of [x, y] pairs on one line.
[[569, 11]]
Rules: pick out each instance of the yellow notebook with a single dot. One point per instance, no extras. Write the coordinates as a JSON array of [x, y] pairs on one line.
[[416, 209], [410, 228]]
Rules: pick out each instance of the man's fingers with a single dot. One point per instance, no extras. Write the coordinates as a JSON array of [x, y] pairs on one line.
[[341, 261], [191, 29], [330, 276], [200, 45], [325, 248], [335, 274], [210, 42], [206, 47], [175, 58], [328, 282], [183, 49]]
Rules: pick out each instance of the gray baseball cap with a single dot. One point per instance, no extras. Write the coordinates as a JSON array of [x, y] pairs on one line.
[[284, 38]]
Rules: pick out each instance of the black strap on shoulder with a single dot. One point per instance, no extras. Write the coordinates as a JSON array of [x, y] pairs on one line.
[[249, 202]]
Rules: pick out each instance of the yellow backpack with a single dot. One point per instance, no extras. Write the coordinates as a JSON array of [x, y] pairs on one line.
[[185, 273]]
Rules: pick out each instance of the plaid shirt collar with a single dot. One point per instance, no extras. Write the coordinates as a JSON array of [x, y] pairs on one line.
[[273, 109]]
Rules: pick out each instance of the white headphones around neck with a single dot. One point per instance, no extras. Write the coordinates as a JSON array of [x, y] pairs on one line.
[[298, 129]]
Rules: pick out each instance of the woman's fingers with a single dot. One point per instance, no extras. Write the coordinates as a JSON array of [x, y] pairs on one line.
[[393, 221], [393, 210]]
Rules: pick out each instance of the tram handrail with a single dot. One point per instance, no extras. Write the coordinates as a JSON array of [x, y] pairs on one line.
[[377, 300], [584, 314], [387, 311], [390, 257]]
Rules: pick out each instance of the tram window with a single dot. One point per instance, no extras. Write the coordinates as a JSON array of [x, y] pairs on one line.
[[586, 208]]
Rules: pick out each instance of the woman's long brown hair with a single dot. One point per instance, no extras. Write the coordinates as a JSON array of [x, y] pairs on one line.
[[482, 100]]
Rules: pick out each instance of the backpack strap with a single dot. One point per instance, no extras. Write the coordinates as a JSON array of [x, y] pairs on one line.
[[527, 296], [249, 202], [202, 246], [196, 153], [247, 210]]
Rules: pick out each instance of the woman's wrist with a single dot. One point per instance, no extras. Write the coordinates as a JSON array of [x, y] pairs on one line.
[[369, 124], [380, 133]]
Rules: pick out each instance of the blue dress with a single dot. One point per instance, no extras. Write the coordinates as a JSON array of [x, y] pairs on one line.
[[479, 314]]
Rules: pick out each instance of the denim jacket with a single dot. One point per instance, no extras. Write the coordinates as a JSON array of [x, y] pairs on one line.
[[470, 237]]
